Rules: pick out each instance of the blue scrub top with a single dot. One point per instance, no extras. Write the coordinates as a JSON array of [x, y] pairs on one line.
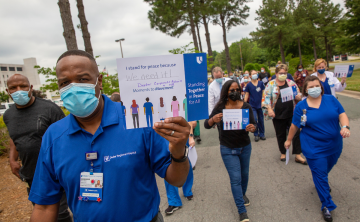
[[320, 137], [129, 160], [123, 110], [255, 96], [289, 76], [148, 109], [327, 88]]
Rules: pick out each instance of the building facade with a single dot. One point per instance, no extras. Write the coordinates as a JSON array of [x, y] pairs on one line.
[[27, 69]]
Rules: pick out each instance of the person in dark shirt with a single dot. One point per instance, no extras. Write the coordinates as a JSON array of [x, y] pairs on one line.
[[27, 122], [264, 76], [235, 145]]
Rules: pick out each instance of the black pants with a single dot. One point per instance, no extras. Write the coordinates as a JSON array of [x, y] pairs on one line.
[[282, 127], [64, 214]]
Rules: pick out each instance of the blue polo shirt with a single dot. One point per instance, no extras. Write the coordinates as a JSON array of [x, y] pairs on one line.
[[130, 192], [254, 95], [320, 137], [147, 107]]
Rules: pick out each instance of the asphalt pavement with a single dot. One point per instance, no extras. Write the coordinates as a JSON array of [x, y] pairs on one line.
[[277, 192]]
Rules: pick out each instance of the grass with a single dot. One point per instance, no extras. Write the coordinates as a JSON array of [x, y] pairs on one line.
[[353, 83]]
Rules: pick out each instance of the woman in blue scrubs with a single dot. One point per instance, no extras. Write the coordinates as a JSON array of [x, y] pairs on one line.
[[321, 136]]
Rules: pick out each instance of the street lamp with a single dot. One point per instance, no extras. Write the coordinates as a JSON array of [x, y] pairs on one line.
[[120, 40]]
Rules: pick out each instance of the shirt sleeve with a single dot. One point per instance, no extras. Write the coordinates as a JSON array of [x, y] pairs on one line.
[[211, 99], [45, 188], [338, 86], [247, 88], [262, 86], [297, 115], [252, 119], [159, 153], [338, 105], [213, 113]]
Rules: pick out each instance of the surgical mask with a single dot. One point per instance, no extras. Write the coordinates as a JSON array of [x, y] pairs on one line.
[[254, 77], [219, 81], [79, 98], [314, 92], [262, 70], [246, 80], [240, 76], [234, 96], [246, 74], [21, 97], [300, 70], [282, 77], [321, 71]]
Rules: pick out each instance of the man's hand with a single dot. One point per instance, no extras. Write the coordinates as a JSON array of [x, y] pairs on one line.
[[15, 167], [271, 113], [343, 80], [180, 130], [298, 97], [217, 118], [250, 128]]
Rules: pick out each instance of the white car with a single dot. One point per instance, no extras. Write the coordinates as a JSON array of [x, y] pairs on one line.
[[59, 102], [4, 107]]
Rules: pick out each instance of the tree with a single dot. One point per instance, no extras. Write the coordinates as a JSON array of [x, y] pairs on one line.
[[275, 25], [110, 83], [51, 79], [4, 97], [230, 13], [206, 12], [69, 31], [84, 27], [38, 93], [350, 27]]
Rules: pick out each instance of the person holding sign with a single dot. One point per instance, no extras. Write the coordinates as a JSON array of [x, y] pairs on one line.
[[300, 76], [276, 107], [243, 85], [264, 76], [253, 95], [235, 145], [91, 143], [321, 136], [330, 83]]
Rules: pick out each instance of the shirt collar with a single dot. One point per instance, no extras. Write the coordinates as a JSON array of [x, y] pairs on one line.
[[110, 116]]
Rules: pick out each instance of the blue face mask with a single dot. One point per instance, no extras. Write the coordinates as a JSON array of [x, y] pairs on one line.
[[254, 77], [300, 70], [321, 71], [314, 92], [219, 80], [79, 99], [21, 97], [246, 80], [241, 76], [262, 71], [246, 74]]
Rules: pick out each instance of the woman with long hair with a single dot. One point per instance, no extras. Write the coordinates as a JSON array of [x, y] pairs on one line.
[[235, 145], [135, 113]]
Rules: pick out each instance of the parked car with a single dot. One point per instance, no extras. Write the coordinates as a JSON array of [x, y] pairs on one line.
[[4, 107]]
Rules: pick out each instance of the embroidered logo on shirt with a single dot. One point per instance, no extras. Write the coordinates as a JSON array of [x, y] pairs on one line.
[[108, 158]]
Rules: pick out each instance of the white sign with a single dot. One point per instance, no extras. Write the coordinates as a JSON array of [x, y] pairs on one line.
[[287, 94], [343, 71], [235, 119]]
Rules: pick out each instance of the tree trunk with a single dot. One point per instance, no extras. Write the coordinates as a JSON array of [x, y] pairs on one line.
[[198, 35], [227, 54], [84, 28], [314, 46], [330, 52], [282, 50], [327, 52], [207, 35], [69, 31], [299, 45], [192, 25]]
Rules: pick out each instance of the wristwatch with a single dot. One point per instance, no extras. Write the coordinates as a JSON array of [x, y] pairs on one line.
[[348, 127], [184, 158], [191, 135]]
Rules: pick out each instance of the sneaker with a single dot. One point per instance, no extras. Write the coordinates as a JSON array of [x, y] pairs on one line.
[[190, 197], [263, 138], [170, 210], [198, 139], [257, 139], [327, 215], [244, 217], [246, 201]]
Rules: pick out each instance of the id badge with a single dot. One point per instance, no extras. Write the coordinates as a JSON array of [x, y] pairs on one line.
[[264, 80], [258, 89], [91, 186], [304, 75], [93, 155]]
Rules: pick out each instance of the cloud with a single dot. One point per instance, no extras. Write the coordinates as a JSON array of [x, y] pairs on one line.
[[34, 29]]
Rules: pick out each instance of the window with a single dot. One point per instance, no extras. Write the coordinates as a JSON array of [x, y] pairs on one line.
[[18, 68], [11, 68], [3, 68]]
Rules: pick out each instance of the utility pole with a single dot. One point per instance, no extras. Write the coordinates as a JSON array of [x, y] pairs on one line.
[[242, 66], [120, 40]]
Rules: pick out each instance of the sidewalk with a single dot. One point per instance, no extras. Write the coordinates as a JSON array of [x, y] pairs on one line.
[[349, 93]]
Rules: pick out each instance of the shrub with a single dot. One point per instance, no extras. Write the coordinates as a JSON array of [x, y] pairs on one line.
[[4, 137]]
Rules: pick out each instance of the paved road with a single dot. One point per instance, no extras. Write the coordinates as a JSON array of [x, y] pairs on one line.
[[357, 64], [277, 192]]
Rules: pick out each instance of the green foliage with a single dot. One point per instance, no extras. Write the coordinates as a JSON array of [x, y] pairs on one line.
[[4, 97], [272, 64], [110, 83], [249, 67], [4, 137], [66, 112], [294, 62], [51, 79], [255, 66], [184, 49]]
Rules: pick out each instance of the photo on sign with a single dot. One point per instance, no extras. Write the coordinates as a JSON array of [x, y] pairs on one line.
[[287, 94], [235, 119]]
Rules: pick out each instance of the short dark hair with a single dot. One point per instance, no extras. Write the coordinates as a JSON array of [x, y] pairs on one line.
[[115, 97], [76, 52], [310, 79], [299, 66]]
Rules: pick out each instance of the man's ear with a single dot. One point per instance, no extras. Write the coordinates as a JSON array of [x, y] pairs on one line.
[[100, 77]]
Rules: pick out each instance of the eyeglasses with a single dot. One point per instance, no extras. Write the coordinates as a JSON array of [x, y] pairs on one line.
[[282, 73], [233, 90]]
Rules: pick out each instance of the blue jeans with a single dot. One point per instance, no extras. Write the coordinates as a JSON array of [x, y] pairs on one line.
[[259, 119], [237, 162], [320, 169], [149, 120], [172, 192]]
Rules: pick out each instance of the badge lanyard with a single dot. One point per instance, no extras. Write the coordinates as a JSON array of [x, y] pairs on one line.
[[90, 156], [303, 118]]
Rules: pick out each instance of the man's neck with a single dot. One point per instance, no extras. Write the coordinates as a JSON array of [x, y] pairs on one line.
[[254, 82], [92, 123], [32, 100]]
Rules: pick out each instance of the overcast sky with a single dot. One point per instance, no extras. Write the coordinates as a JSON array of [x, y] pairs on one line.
[[33, 28]]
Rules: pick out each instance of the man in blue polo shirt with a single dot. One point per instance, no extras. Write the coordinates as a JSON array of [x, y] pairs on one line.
[[253, 95], [92, 144]]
